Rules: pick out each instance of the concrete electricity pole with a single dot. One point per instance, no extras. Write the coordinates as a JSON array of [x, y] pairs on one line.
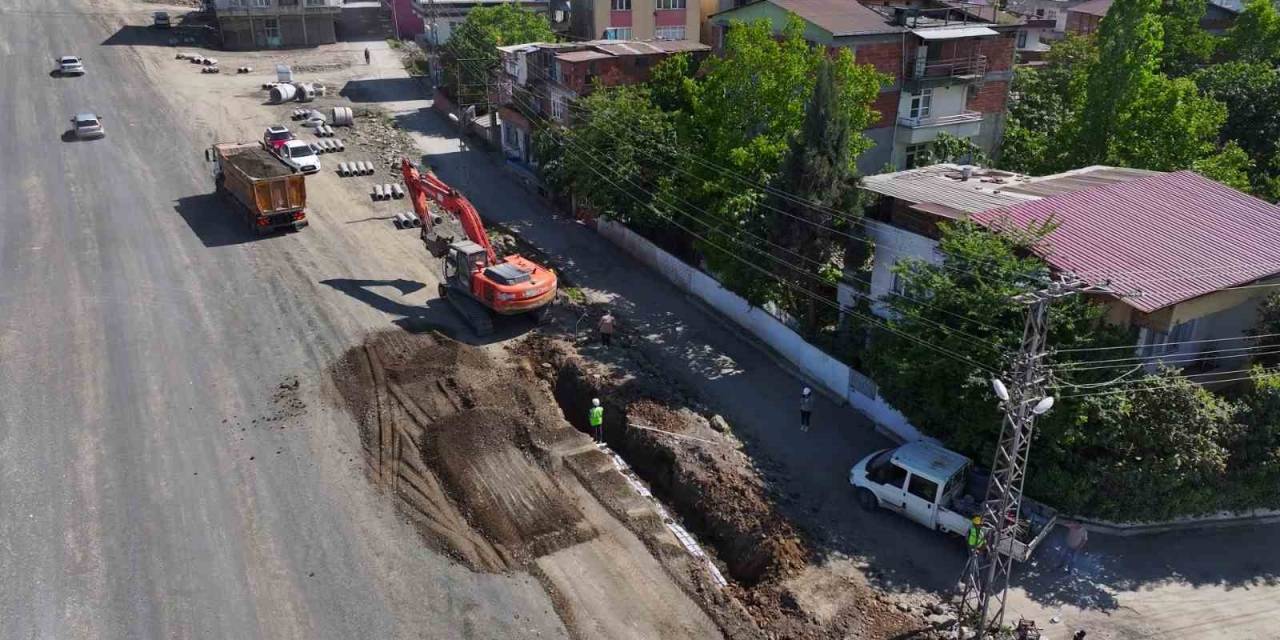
[[986, 576]]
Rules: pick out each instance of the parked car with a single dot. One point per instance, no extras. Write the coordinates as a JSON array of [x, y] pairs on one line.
[[932, 485], [161, 20], [300, 156], [87, 125], [275, 136], [70, 66]]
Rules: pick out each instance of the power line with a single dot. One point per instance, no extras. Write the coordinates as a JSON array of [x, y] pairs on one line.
[[1132, 347]]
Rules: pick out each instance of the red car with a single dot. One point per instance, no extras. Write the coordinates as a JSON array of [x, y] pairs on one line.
[[275, 137]]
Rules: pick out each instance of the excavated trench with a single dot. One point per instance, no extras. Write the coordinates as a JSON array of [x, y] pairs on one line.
[[710, 486]]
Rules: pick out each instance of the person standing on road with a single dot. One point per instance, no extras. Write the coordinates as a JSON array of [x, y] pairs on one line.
[[366, 55], [1077, 535], [977, 541], [606, 328], [596, 417], [806, 408]]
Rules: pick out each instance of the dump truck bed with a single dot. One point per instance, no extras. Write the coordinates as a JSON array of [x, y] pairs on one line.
[[260, 181]]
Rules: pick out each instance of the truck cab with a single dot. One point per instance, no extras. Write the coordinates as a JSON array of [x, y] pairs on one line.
[[934, 487]]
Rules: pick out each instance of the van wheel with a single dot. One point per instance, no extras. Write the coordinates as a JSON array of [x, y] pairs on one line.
[[867, 500]]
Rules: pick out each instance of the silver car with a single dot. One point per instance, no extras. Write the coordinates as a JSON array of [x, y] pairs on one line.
[[70, 66], [87, 125]]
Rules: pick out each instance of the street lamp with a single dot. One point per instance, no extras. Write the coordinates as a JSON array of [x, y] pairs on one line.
[[1002, 392]]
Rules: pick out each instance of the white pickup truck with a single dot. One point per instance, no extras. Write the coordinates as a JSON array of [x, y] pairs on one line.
[[931, 485]]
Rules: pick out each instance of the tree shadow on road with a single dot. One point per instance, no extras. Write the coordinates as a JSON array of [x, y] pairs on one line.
[[383, 90]]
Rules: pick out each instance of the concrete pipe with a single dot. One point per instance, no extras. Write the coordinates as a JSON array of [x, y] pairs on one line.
[[182, 55], [342, 116], [415, 220], [304, 92], [386, 191], [282, 93], [342, 169], [377, 192], [341, 145], [368, 168], [209, 61], [398, 221], [397, 191]]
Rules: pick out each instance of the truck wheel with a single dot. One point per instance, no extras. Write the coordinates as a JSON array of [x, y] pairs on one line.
[[443, 290], [867, 500]]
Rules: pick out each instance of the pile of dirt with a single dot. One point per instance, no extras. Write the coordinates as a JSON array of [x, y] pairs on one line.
[[718, 493], [454, 436]]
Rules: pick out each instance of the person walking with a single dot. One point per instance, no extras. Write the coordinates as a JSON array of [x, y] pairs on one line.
[[1077, 536], [806, 408], [606, 328], [366, 55], [596, 417]]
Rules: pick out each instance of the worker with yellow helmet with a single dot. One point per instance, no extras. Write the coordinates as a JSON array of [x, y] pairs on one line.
[[977, 541]]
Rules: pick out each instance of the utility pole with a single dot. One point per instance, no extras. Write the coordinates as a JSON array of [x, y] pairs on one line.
[[986, 576]]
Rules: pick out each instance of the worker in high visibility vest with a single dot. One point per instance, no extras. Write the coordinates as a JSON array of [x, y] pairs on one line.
[[977, 541], [596, 417]]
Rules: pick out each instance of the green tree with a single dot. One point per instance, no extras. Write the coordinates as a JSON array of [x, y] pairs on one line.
[[470, 56], [1166, 127], [618, 153], [1230, 166], [819, 168], [954, 149], [1130, 40], [1186, 44], [1042, 103], [672, 84], [1251, 93], [1254, 473], [1266, 332], [1255, 36]]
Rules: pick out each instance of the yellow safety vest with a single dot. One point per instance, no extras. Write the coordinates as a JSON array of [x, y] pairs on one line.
[[596, 415], [976, 539]]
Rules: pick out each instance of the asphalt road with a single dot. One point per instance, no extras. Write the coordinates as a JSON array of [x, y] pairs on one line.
[[155, 480]]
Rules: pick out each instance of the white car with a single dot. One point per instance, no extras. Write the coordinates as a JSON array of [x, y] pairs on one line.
[[87, 125], [70, 66], [300, 156]]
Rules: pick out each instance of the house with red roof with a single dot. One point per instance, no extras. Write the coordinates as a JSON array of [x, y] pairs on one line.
[[1188, 259]]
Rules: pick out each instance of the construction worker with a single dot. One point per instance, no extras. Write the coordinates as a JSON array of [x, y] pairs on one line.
[[1077, 535], [366, 55], [806, 408], [977, 541], [606, 328], [596, 417]]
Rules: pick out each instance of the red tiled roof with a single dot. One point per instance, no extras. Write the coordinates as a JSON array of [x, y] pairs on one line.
[[1173, 236]]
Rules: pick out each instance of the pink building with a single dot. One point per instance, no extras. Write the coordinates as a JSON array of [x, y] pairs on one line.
[[408, 24]]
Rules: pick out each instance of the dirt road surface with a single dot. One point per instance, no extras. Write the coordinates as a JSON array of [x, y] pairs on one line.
[[156, 480]]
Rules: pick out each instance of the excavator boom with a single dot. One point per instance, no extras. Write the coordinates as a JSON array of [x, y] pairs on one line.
[[426, 186]]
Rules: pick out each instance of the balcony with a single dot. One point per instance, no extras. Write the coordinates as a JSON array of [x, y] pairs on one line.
[[922, 71], [965, 124], [276, 7]]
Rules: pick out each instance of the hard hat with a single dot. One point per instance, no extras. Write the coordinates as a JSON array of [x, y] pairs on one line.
[[977, 519], [807, 391], [595, 402]]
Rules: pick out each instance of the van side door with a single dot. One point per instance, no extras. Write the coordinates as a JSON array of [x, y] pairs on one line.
[[892, 482], [921, 500]]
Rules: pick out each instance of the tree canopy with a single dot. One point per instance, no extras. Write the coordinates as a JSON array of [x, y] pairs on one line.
[[471, 54]]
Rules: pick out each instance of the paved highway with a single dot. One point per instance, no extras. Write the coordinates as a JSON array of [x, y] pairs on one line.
[[156, 480]]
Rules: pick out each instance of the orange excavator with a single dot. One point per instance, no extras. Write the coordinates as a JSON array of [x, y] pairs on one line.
[[476, 281]]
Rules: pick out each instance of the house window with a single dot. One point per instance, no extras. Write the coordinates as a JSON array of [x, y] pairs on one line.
[[272, 27], [510, 137], [558, 109], [1052, 14], [553, 71], [1022, 39], [617, 33], [921, 103], [261, 3], [669, 33], [899, 286], [671, 4], [915, 152], [316, 3], [621, 5]]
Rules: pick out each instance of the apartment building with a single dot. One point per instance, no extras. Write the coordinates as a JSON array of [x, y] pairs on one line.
[[636, 19], [950, 67], [270, 24], [539, 82]]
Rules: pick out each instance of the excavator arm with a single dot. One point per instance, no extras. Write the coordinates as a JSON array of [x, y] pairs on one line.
[[425, 187]]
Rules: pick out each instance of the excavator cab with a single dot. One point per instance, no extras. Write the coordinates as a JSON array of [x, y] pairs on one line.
[[465, 257]]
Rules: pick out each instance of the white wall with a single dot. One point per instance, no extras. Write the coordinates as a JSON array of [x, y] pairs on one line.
[[947, 101], [894, 244], [833, 376]]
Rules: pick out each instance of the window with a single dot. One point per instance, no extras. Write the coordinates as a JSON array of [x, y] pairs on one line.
[[621, 5], [617, 33], [891, 475], [1022, 39], [899, 284], [261, 3], [558, 109], [915, 153], [669, 33], [1039, 13], [316, 3], [553, 71], [272, 26], [670, 4], [923, 488], [921, 103], [510, 136], [1051, 14]]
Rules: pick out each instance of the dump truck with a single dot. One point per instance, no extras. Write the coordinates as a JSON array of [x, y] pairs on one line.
[[939, 489], [262, 189]]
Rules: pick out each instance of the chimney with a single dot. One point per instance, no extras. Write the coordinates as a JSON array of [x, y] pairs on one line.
[[966, 172]]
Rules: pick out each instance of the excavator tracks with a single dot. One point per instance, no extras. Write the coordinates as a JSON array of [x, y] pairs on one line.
[[475, 314]]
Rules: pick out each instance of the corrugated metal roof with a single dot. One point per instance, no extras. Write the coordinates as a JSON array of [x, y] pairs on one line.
[[941, 184], [1093, 7], [1078, 179], [952, 33], [838, 17], [582, 56], [1173, 237]]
